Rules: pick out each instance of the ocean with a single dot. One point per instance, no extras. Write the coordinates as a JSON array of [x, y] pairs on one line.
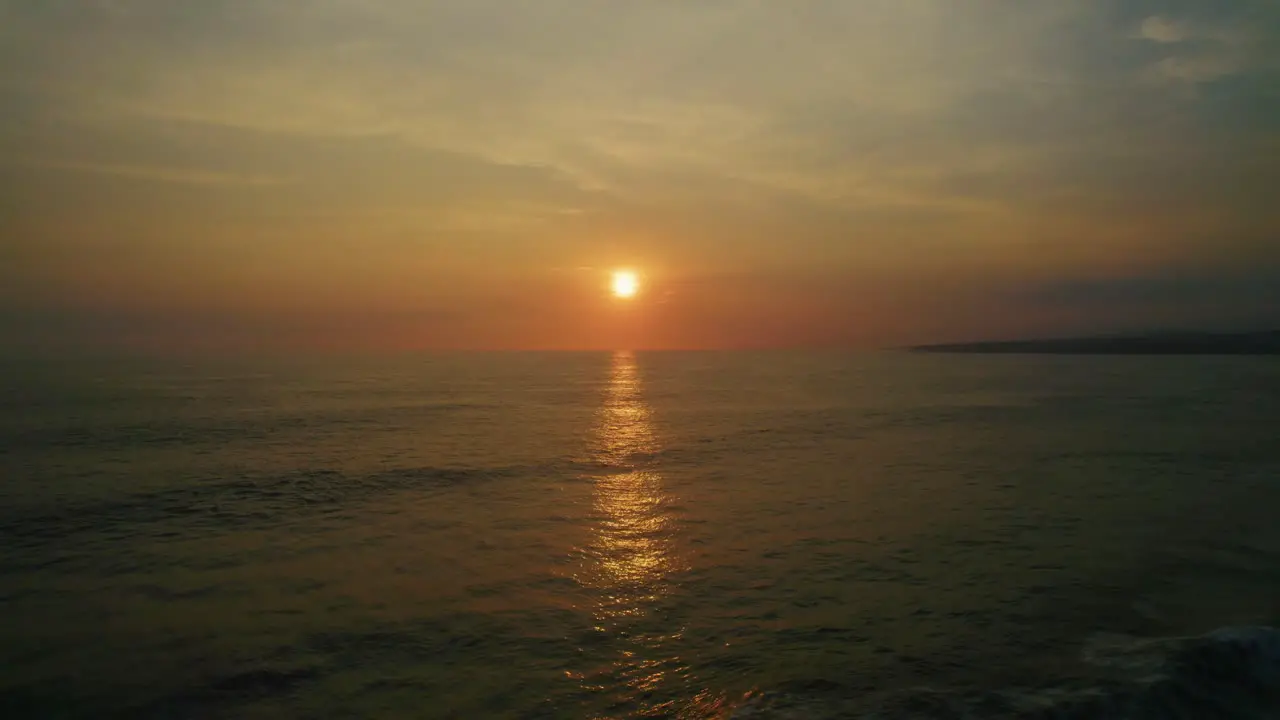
[[620, 535]]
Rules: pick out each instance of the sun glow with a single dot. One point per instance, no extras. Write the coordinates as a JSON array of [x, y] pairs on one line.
[[625, 284]]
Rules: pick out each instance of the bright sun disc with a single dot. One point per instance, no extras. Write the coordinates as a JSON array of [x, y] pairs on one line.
[[625, 284]]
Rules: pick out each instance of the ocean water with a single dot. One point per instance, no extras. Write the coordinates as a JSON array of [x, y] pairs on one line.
[[692, 535]]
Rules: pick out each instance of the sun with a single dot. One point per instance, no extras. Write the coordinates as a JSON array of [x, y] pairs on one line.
[[625, 284]]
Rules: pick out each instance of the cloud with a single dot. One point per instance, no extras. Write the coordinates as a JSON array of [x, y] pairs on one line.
[[1236, 299], [1197, 69], [643, 84], [1212, 41], [458, 143], [1162, 30], [161, 174]]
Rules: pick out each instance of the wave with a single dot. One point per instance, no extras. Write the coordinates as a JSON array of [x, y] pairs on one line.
[[1229, 674], [181, 428], [235, 503]]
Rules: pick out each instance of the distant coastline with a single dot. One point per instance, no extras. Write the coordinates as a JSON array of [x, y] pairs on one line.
[[1253, 343]]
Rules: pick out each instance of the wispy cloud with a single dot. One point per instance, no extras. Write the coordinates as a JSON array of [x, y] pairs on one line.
[[161, 174], [1243, 37], [1197, 68], [455, 142], [1162, 30]]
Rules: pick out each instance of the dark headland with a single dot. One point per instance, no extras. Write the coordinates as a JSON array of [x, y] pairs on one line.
[[1187, 343]]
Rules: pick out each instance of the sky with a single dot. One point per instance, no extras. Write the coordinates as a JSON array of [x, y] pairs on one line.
[[420, 174]]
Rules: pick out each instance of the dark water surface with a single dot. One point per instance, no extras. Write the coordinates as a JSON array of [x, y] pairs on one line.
[[668, 534]]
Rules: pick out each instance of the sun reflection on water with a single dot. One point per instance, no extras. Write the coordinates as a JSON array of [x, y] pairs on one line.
[[632, 554]]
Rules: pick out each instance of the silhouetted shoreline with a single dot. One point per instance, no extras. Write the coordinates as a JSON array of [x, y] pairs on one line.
[[1256, 343]]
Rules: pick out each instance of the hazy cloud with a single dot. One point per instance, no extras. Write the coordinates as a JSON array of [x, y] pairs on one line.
[[160, 174], [1162, 30], [397, 152]]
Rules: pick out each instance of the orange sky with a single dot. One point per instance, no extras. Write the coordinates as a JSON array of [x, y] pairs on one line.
[[245, 174]]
